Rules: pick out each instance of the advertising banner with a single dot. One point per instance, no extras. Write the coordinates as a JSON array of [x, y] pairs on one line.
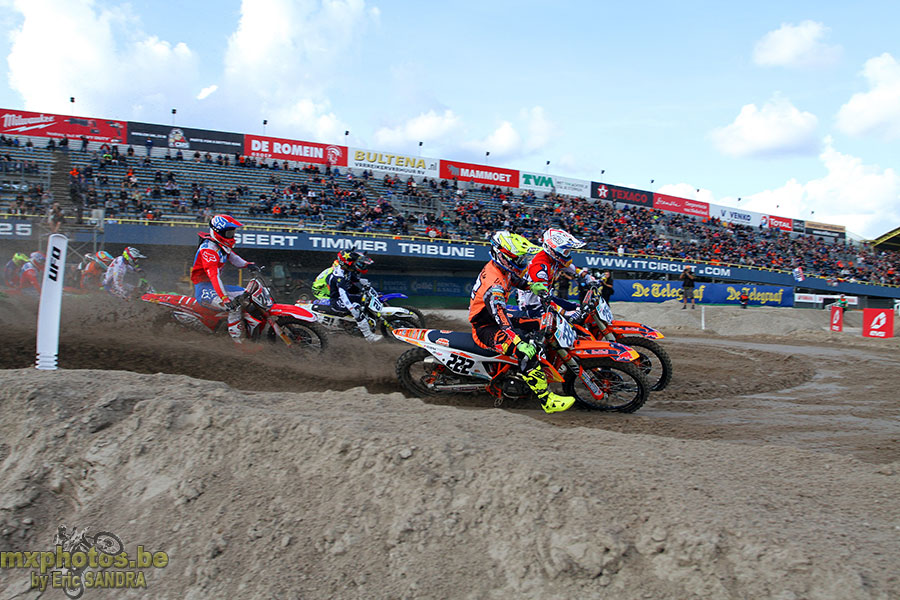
[[14, 229], [184, 138], [777, 222], [615, 193], [825, 230], [734, 215], [878, 322], [396, 164], [281, 149], [22, 122], [681, 205], [494, 176], [837, 318], [551, 183], [647, 290], [799, 226]]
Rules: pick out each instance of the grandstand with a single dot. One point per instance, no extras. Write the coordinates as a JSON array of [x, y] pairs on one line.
[[173, 187]]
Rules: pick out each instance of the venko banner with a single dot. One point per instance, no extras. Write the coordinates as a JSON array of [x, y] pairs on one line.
[[467, 172], [397, 164], [281, 149], [22, 122]]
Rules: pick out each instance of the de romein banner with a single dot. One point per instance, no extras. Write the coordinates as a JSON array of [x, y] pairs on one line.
[[648, 290]]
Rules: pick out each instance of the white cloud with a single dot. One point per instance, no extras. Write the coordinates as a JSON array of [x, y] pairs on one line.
[[205, 92], [425, 127], [778, 128], [103, 48], [796, 46], [864, 198], [878, 110], [284, 55]]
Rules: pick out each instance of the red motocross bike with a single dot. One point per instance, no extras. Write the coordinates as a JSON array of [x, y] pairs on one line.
[[264, 320]]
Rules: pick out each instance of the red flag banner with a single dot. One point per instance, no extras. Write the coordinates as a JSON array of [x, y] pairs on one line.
[[280, 149], [683, 206], [837, 318], [878, 322], [450, 169]]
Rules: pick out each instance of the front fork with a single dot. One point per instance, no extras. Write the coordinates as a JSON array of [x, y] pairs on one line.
[[586, 375]]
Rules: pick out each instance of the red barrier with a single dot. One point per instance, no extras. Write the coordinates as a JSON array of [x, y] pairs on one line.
[[837, 318], [878, 322]]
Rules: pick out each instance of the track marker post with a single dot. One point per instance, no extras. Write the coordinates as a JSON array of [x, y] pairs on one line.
[[51, 302]]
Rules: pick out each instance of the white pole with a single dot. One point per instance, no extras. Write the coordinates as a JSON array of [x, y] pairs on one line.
[[51, 301], [702, 317]]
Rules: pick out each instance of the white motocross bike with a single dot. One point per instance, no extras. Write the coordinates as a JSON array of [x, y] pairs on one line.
[[380, 316]]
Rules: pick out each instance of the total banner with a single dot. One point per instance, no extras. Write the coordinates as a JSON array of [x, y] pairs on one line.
[[615, 193], [23, 122], [775, 222], [397, 164], [683, 206], [184, 138], [281, 149], [552, 183], [484, 174], [647, 290]]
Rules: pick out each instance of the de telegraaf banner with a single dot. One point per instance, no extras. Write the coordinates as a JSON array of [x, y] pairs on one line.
[[647, 290]]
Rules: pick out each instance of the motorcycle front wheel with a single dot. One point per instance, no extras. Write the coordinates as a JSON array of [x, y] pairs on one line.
[[624, 386], [108, 543], [654, 361], [305, 336]]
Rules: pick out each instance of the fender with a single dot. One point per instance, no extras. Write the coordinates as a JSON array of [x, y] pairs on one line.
[[392, 296], [598, 349], [292, 311], [416, 337], [177, 301], [395, 311], [620, 328]]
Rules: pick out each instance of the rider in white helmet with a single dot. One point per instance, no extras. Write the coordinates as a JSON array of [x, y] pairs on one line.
[[545, 268], [114, 281]]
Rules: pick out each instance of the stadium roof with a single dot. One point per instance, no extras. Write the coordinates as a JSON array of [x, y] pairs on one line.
[[888, 241]]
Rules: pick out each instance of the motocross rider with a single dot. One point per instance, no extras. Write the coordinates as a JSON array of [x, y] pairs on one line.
[[94, 269], [553, 260], [11, 272], [492, 328], [214, 251], [343, 286], [119, 268], [32, 272]]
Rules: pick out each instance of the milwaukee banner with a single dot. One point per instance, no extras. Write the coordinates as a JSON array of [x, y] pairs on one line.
[[878, 322], [22, 122], [184, 138], [837, 318], [615, 193], [466, 172], [681, 205], [396, 164], [309, 152]]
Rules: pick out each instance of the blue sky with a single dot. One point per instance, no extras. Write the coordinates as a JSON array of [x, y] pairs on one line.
[[792, 106]]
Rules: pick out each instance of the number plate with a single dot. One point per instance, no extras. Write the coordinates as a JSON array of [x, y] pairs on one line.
[[375, 305], [565, 334]]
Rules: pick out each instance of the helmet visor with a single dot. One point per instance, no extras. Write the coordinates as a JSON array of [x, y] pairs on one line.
[[228, 233]]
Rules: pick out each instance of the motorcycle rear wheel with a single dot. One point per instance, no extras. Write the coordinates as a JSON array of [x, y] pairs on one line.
[[654, 361], [412, 370], [305, 336], [625, 386]]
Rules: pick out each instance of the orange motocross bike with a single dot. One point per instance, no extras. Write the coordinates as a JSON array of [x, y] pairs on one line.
[[600, 374], [597, 322]]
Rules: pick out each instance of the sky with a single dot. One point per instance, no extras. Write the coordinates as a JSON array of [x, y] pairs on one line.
[[785, 108]]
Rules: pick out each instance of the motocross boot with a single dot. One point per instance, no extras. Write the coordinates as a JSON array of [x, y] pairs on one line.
[[363, 323], [236, 327], [550, 402]]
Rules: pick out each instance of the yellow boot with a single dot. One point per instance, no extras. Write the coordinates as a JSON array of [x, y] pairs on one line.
[[550, 402]]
